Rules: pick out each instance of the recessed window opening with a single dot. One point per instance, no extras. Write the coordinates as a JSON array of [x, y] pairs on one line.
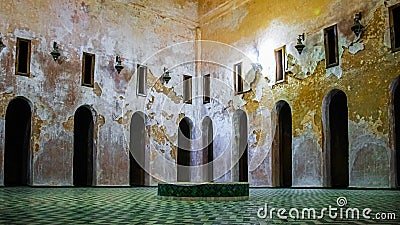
[[394, 18], [187, 89], [206, 89], [237, 71], [331, 46], [22, 64], [142, 79], [88, 63], [280, 64]]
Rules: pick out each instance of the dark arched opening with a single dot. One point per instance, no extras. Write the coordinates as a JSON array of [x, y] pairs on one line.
[[241, 145], [337, 139], [208, 152], [184, 146], [17, 142], [284, 154], [137, 150], [396, 103], [83, 147]]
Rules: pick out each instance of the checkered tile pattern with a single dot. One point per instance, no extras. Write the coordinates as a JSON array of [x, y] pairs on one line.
[[28, 205]]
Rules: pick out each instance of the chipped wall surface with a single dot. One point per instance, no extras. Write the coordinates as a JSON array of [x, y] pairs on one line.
[[197, 38], [254, 28], [135, 30]]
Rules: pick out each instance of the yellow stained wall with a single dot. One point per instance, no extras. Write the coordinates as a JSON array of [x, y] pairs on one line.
[[364, 75]]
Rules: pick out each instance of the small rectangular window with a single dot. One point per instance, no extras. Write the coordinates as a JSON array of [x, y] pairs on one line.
[[141, 80], [88, 62], [331, 46], [394, 18], [187, 89], [206, 89], [280, 64], [23, 61], [238, 80]]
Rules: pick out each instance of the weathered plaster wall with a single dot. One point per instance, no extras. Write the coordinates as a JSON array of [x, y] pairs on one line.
[[366, 69], [197, 38], [135, 30]]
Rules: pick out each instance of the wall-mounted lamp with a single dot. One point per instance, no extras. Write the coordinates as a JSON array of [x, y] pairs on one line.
[[55, 53], [119, 66], [357, 27], [2, 45], [165, 76], [300, 46]]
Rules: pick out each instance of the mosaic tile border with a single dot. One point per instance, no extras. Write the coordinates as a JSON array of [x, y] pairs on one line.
[[205, 191]]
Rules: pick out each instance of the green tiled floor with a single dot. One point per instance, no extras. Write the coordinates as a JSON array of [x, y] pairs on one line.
[[27, 205]]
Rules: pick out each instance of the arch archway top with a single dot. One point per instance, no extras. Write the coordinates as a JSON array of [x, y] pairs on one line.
[[140, 113], [23, 98], [206, 120], [88, 107], [187, 120], [328, 97], [239, 113], [279, 104], [239, 119], [395, 83], [146, 119], [333, 92]]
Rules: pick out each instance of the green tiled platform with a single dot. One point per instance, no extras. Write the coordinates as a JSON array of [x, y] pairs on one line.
[[204, 191], [27, 205]]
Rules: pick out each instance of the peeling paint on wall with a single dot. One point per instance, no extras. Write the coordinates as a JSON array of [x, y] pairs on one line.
[[197, 38]]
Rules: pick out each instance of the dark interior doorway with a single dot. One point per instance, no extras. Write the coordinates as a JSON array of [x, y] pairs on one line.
[[285, 144], [243, 147], [184, 139], [83, 147], [397, 129], [17, 142], [137, 150], [208, 152], [339, 140]]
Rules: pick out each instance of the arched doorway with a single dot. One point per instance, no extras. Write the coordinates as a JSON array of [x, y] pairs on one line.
[[395, 93], [137, 149], [17, 142], [336, 136], [208, 155], [241, 145], [184, 146], [83, 147], [282, 152]]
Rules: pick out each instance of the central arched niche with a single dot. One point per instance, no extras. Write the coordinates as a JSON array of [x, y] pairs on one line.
[[282, 147], [396, 103], [83, 147], [137, 154], [208, 150], [240, 147], [184, 150], [335, 121], [394, 125], [17, 142]]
